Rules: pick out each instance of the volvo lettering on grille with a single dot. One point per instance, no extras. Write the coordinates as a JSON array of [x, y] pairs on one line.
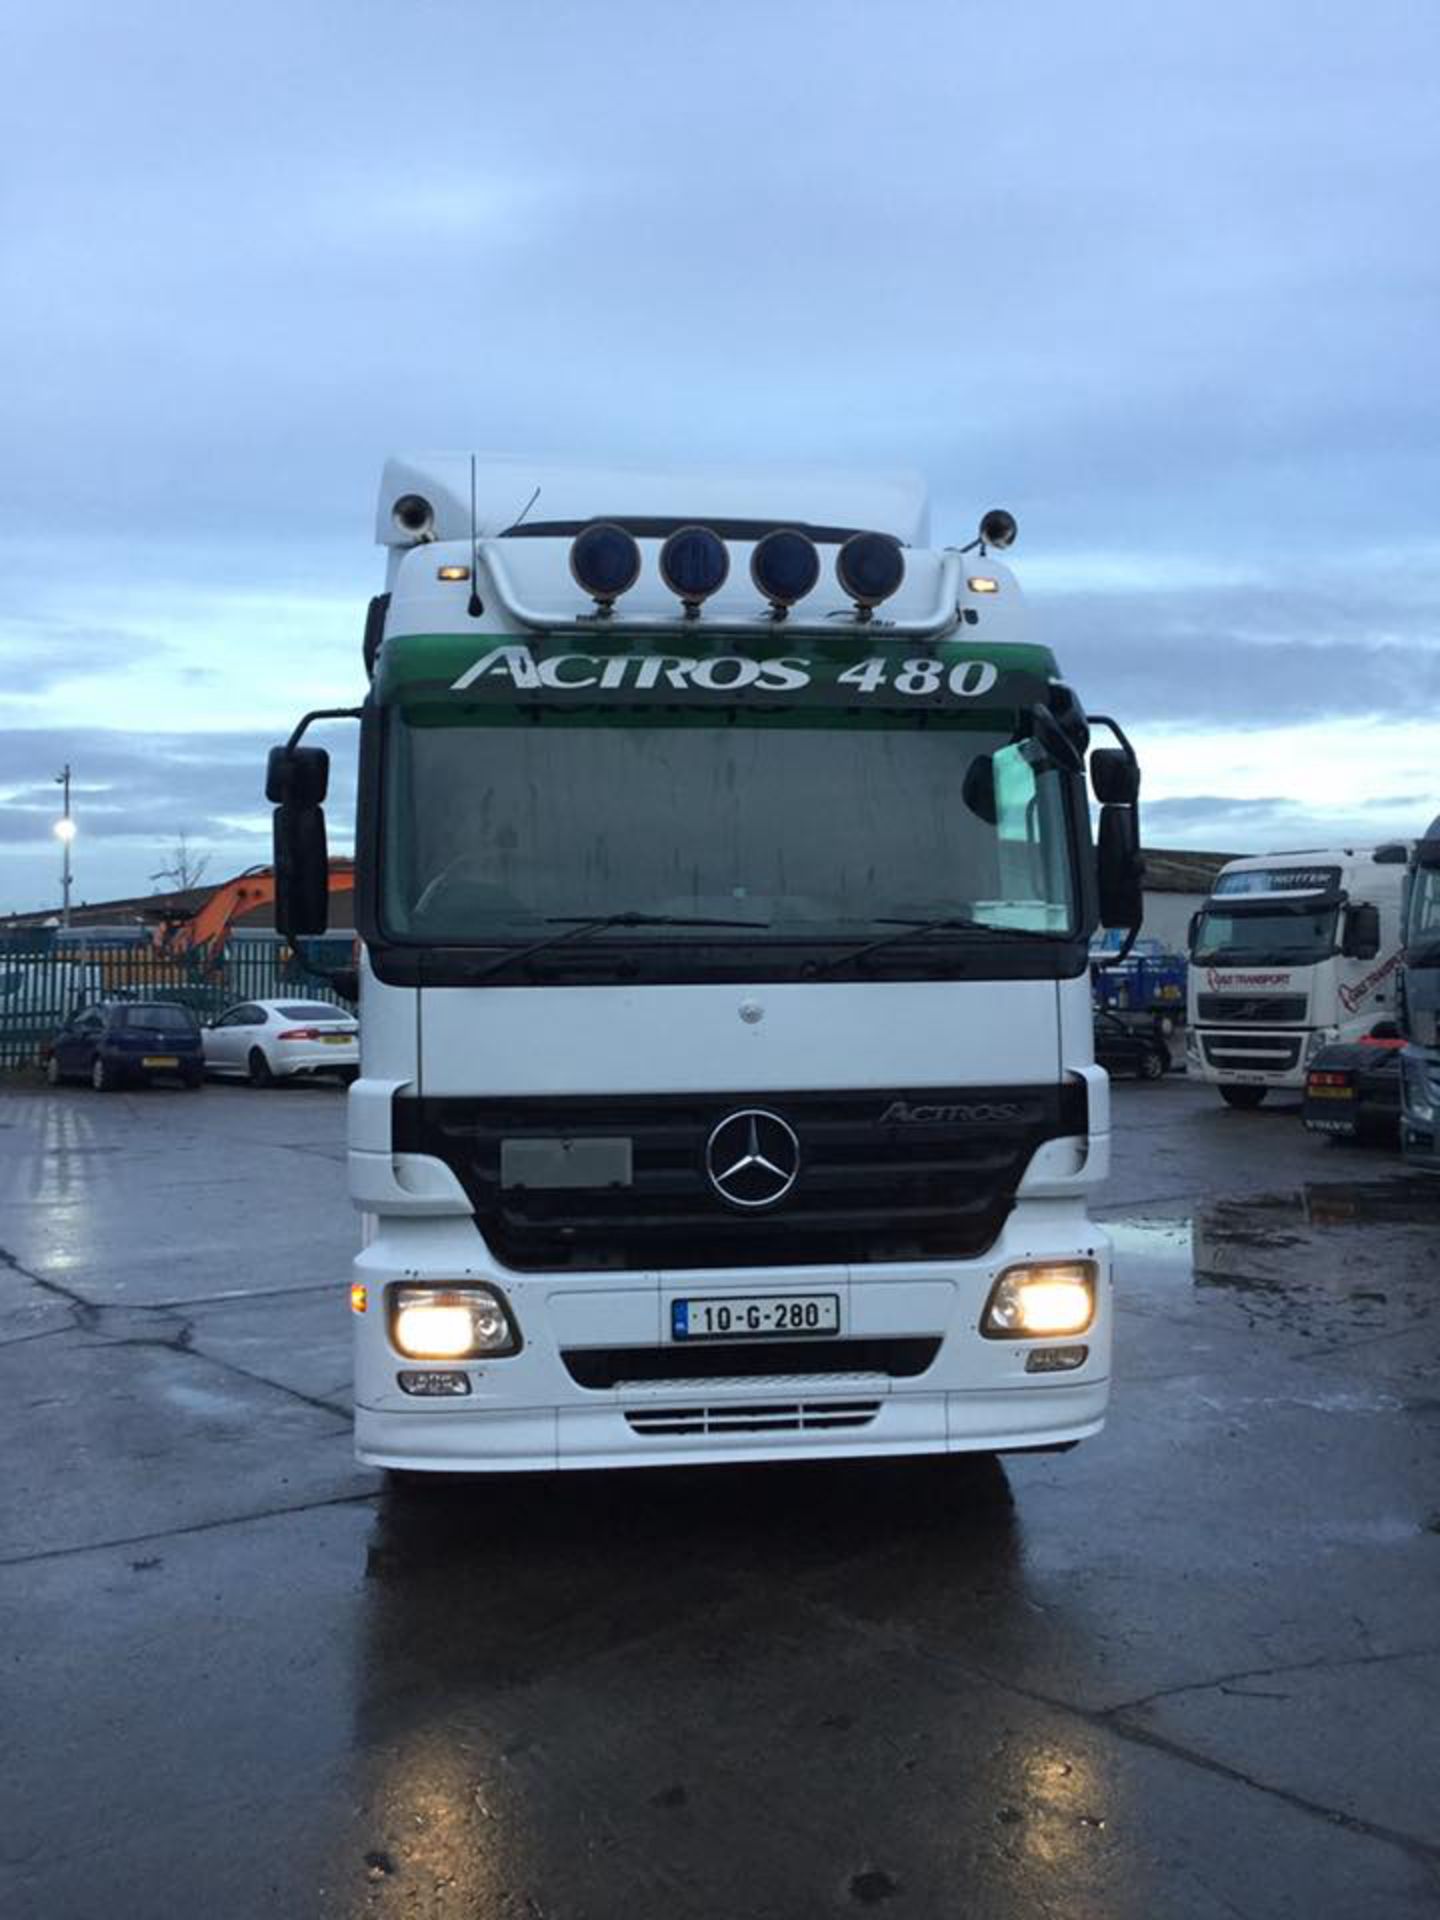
[[752, 1158]]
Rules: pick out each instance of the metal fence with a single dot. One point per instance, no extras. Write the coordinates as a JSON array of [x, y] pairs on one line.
[[43, 981]]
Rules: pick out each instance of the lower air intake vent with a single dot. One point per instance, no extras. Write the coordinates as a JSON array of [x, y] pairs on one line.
[[780, 1416]]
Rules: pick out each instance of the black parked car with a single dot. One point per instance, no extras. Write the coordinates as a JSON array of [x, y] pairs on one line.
[[1121, 1049], [126, 1040], [1352, 1088]]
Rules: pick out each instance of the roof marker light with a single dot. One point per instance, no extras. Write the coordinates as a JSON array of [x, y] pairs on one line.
[[983, 583], [605, 561], [785, 566], [870, 567], [452, 573], [694, 564], [413, 514]]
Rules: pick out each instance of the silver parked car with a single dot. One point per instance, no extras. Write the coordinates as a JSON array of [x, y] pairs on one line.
[[263, 1041]]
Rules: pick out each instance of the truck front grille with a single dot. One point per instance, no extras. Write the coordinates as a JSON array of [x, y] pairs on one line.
[[900, 1174], [1225, 1009]]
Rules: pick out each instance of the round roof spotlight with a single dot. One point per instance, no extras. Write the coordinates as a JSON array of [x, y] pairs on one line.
[[412, 513], [870, 567], [998, 529], [694, 564], [605, 561], [785, 566]]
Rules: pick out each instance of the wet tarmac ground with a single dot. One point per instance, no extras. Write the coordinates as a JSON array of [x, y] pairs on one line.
[[1190, 1669]]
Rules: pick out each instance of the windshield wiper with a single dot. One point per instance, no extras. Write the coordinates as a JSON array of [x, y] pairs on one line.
[[578, 929], [917, 929]]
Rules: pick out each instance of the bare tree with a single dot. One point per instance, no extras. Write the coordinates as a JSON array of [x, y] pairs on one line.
[[185, 870]]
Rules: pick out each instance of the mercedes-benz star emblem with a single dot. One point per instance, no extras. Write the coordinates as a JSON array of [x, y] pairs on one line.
[[752, 1158]]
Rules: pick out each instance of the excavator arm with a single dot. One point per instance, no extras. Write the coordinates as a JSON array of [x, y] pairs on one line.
[[210, 927]]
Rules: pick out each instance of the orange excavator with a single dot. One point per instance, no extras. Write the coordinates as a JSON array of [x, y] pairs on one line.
[[210, 927]]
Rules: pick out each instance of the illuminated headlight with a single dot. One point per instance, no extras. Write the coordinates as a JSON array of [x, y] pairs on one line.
[[450, 1323], [1041, 1302]]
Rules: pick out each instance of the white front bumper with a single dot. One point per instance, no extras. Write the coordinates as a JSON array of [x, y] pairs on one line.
[[528, 1413], [906, 1422], [1243, 1057]]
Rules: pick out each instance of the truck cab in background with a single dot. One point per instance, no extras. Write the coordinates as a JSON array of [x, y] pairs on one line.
[[726, 882], [1291, 952], [1420, 1006]]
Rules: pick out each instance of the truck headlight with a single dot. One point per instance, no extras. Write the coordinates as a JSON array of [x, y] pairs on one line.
[[1321, 1037], [1041, 1301], [450, 1323]]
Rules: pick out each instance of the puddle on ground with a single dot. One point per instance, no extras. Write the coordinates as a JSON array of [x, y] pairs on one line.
[[1364, 1248]]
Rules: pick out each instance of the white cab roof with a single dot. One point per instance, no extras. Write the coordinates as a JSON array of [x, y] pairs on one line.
[[894, 503]]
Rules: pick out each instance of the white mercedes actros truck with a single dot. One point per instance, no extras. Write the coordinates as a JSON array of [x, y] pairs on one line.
[[1291, 952], [725, 883]]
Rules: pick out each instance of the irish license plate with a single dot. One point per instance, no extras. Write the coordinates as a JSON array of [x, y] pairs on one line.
[[756, 1317], [338, 1039], [160, 1060]]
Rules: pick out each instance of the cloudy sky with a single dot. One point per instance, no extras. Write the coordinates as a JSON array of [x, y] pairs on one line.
[[1164, 280]]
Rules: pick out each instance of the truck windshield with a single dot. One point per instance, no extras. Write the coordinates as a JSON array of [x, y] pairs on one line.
[[1280, 937], [822, 830]]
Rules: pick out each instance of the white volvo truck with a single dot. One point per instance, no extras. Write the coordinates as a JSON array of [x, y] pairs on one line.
[[1291, 952], [725, 881]]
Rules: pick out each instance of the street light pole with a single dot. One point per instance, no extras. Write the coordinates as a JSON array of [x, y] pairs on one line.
[[65, 831]]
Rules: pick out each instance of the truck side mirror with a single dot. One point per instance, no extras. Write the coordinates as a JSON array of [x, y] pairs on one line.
[[1194, 928], [1361, 939], [1115, 777], [1121, 870], [302, 871], [297, 776], [296, 781]]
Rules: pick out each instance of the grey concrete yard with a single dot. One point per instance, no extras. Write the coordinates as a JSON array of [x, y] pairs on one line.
[[1191, 1669]]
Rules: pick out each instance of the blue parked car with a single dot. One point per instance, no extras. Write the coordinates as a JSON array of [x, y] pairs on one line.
[[127, 1040]]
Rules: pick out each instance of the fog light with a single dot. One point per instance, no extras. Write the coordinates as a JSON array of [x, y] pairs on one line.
[[1027, 1303], [1056, 1359], [433, 1383], [605, 561], [694, 563], [450, 1323], [870, 567]]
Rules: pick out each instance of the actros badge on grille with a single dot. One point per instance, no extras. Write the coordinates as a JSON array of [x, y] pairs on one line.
[[752, 1158]]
